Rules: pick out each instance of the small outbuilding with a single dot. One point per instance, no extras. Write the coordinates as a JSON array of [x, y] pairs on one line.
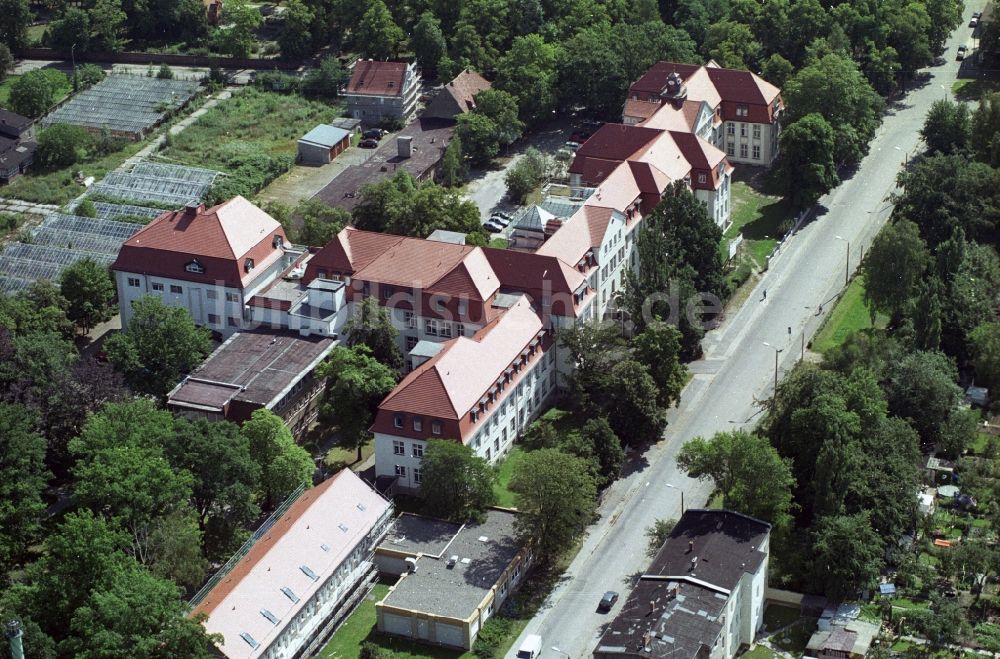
[[322, 144]]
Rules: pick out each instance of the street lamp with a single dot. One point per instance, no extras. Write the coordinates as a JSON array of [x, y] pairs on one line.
[[556, 649], [777, 351], [674, 487], [847, 263]]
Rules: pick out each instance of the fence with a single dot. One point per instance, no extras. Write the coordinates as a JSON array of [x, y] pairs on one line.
[[247, 546]]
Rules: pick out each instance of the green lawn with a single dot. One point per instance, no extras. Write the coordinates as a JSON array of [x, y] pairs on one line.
[[848, 316], [505, 497], [777, 616], [360, 628], [759, 652], [252, 119], [761, 218], [973, 90]]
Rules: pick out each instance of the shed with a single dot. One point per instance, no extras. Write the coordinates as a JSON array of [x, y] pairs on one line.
[[322, 144]]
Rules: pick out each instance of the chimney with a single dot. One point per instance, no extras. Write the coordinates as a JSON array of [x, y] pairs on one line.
[[694, 563], [14, 639], [652, 607], [191, 209], [404, 146]]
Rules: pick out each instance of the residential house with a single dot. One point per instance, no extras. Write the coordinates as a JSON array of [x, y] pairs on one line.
[[17, 144], [703, 595], [210, 261], [746, 109], [456, 97], [481, 390], [322, 144], [251, 370], [382, 90], [454, 577], [302, 576], [841, 638]]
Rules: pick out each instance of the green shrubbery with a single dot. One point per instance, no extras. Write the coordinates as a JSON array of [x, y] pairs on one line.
[[251, 169]]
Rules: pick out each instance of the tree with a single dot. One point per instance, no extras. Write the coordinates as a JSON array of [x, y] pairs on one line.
[[630, 396], [985, 346], [478, 136], [320, 223], [33, 364], [658, 534], [805, 169], [921, 388], [834, 88], [61, 145], [947, 128], [31, 94], [137, 615], [90, 292], [284, 465], [894, 267], [777, 70], [456, 484], [6, 62], [226, 479], [501, 108], [108, 20], [296, 39], [658, 347], [72, 28], [325, 81], [238, 38], [957, 432], [371, 326], [752, 478], [555, 497], [847, 554], [161, 343], [453, 168], [378, 36], [402, 206], [172, 549], [985, 127], [358, 383], [16, 17], [428, 43], [732, 45], [527, 174], [605, 449], [591, 74], [23, 478], [528, 72]]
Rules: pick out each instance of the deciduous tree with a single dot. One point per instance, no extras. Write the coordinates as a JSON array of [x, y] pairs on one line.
[[378, 36], [985, 346], [371, 326], [238, 37], [456, 484], [847, 555], [15, 17], [428, 43], [893, 269], [31, 94], [23, 478], [88, 288], [658, 347], [947, 127], [284, 465], [296, 39], [805, 169], [528, 71]]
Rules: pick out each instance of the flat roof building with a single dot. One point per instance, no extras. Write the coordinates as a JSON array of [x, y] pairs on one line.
[[303, 576], [454, 576]]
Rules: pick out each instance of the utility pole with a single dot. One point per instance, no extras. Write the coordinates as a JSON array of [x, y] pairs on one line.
[[777, 351]]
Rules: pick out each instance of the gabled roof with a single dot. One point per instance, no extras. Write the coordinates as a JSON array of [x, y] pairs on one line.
[[325, 135], [703, 156], [740, 86], [700, 88], [616, 192], [614, 142], [452, 382], [666, 156], [220, 238], [533, 272], [13, 124], [350, 251], [581, 233], [655, 79], [374, 78], [463, 89], [640, 109], [648, 177], [318, 532]]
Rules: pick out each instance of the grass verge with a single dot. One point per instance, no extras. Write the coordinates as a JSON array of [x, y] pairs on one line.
[[973, 90], [761, 218], [848, 316], [505, 471]]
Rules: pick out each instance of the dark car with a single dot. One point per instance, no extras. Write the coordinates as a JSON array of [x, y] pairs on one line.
[[974, 22], [607, 601], [368, 144], [977, 14], [493, 226], [373, 134], [962, 51]]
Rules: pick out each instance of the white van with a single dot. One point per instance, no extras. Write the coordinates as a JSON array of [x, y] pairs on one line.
[[531, 648]]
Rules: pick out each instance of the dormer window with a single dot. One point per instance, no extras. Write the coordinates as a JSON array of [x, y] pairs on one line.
[[196, 267], [248, 265], [277, 242], [702, 178]]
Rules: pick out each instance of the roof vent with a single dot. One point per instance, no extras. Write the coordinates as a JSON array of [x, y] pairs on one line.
[[483, 538], [290, 594], [694, 562], [250, 640], [342, 527], [452, 560], [325, 547], [362, 507], [306, 570]]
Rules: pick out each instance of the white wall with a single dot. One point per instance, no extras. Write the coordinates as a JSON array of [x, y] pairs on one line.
[[767, 142], [216, 313]]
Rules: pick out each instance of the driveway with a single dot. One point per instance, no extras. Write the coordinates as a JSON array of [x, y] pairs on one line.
[[737, 373]]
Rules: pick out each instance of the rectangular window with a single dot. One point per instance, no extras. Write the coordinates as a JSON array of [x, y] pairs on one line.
[[398, 447], [431, 327], [462, 307], [158, 287], [211, 294], [743, 151], [756, 131], [418, 450], [386, 292], [496, 444], [213, 319], [397, 420], [409, 321], [411, 343], [176, 289], [436, 427], [418, 424], [743, 130], [513, 425], [756, 152], [133, 282], [446, 330], [702, 178], [232, 297], [730, 149], [418, 475], [731, 128], [459, 329], [401, 471]]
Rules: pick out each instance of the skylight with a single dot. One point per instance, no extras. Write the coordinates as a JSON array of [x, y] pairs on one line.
[[306, 570], [325, 547], [290, 594], [342, 527], [362, 507], [250, 640], [270, 616]]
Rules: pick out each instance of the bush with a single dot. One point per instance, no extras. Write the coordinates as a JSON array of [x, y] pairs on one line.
[[370, 650], [165, 72], [282, 83], [31, 94], [391, 124], [6, 62], [252, 169], [85, 208], [490, 642], [9, 222], [325, 81], [61, 145], [89, 74]]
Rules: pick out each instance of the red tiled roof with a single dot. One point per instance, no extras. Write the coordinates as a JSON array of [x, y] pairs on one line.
[[350, 251], [593, 170], [615, 142], [740, 86], [648, 177], [640, 109], [220, 238], [531, 273], [655, 79], [377, 78], [704, 158], [464, 88]]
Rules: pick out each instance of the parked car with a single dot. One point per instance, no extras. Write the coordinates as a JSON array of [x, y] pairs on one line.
[[977, 14], [368, 144], [506, 216], [492, 226], [373, 134], [974, 22], [573, 146], [531, 648], [962, 50], [607, 601], [497, 219]]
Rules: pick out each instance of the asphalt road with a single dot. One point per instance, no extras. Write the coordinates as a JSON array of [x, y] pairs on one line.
[[738, 371]]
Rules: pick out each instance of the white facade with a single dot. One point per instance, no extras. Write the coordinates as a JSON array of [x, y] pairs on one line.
[[751, 143]]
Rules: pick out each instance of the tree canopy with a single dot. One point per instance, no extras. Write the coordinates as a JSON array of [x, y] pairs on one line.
[[455, 483]]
